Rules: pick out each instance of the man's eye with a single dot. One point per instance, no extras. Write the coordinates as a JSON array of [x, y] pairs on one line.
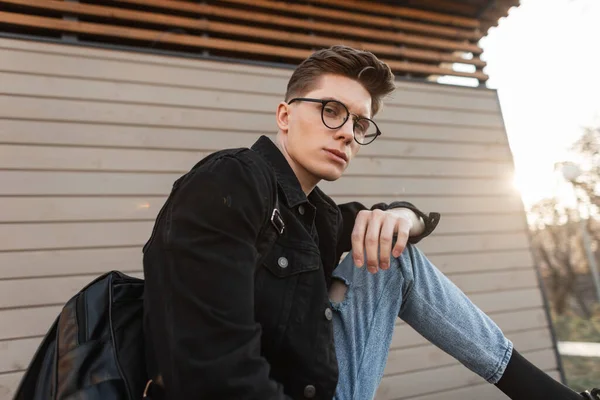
[[360, 128], [331, 111]]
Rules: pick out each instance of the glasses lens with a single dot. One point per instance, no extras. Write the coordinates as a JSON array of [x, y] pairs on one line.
[[334, 114], [365, 131]]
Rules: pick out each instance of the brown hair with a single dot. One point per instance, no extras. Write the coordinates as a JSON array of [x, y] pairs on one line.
[[362, 66]]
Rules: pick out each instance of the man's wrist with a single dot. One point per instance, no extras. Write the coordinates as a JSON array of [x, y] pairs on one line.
[[417, 225]]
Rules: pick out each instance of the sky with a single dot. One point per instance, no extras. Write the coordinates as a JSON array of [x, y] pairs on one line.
[[544, 60]]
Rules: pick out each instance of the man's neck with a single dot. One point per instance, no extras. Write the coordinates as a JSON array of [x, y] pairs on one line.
[[307, 181]]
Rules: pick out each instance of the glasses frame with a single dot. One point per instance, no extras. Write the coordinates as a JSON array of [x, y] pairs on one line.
[[324, 102]]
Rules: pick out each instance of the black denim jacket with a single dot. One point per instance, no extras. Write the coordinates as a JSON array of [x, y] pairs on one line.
[[217, 326]]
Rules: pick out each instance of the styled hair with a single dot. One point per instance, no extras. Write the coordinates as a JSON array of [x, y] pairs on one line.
[[362, 66]]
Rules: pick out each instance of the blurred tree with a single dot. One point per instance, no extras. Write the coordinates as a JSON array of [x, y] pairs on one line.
[[556, 244], [556, 236]]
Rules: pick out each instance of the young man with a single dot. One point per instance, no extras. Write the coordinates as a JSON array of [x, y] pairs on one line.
[[230, 315]]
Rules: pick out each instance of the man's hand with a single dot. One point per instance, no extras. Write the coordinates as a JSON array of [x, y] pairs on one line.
[[374, 232]]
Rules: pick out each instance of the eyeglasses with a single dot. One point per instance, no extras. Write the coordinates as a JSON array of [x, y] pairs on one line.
[[334, 115]]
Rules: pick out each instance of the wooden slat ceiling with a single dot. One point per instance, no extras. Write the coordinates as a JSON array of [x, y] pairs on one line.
[[417, 39], [486, 12]]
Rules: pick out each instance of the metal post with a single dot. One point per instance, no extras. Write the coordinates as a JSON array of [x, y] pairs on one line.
[[587, 245]]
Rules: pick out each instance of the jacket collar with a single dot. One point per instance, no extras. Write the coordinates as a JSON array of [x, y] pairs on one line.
[[286, 178]]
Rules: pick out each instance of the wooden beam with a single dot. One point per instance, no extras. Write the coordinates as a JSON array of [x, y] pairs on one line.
[[496, 10], [203, 42], [284, 22], [444, 6], [362, 18], [210, 26], [400, 37], [404, 12]]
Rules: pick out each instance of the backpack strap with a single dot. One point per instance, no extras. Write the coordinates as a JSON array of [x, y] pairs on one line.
[[269, 233]]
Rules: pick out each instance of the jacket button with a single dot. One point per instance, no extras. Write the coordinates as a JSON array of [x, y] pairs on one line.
[[310, 391], [328, 314], [283, 262], [301, 209]]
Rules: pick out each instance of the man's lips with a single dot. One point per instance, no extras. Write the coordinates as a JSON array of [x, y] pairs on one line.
[[338, 153]]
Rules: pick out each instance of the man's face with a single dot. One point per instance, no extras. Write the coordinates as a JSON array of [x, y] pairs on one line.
[[315, 151]]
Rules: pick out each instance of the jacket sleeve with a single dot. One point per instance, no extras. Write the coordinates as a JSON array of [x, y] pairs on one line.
[[213, 341], [349, 212]]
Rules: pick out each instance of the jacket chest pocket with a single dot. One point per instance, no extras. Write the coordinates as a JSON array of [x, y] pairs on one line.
[[284, 285], [288, 259]]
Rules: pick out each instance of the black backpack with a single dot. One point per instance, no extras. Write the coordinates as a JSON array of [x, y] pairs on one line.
[[95, 349]]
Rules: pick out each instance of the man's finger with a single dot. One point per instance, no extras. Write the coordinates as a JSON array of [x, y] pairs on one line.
[[358, 237], [372, 240], [386, 239], [402, 236]]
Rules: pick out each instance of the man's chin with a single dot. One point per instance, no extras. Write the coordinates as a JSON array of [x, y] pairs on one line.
[[330, 176]]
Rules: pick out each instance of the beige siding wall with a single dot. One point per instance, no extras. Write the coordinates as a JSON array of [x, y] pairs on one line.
[[91, 141]]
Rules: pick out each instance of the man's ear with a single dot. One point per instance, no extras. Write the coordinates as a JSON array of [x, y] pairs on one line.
[[282, 116]]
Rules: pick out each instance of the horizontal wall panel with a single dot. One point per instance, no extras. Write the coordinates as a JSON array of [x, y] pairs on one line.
[[65, 287], [29, 264], [63, 235], [22, 264], [136, 113], [508, 321], [20, 84], [201, 140], [104, 112], [507, 300], [414, 95], [54, 290], [35, 209], [210, 75], [447, 204], [481, 391], [415, 149], [102, 159], [40, 291], [53, 183], [15, 209], [24, 322], [9, 383], [16, 354], [484, 261], [44, 209], [101, 134], [431, 356], [99, 55], [131, 233], [486, 111], [465, 243], [425, 357], [414, 186], [438, 379], [480, 223], [495, 281], [438, 116]]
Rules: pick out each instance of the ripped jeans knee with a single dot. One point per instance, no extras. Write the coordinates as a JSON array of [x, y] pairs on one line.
[[339, 292]]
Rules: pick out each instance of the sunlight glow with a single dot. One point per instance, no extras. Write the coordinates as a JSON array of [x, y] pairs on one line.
[[548, 84]]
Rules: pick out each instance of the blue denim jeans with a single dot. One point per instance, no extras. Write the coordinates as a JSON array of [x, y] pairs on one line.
[[416, 291]]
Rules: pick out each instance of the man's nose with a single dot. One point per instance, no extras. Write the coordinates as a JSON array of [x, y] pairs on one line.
[[346, 131]]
